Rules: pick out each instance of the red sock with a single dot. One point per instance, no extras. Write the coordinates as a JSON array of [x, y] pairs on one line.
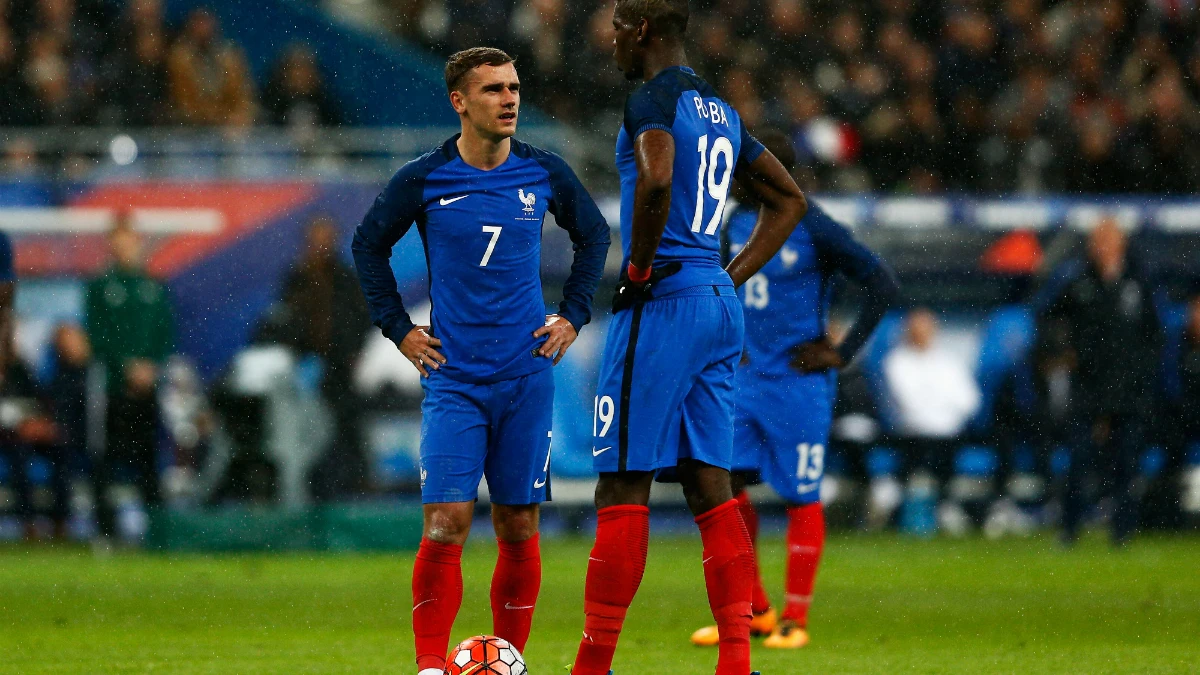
[[437, 595], [760, 602], [515, 586], [614, 573], [805, 540], [729, 576]]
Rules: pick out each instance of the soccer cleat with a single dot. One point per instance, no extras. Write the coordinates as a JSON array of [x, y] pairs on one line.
[[760, 625], [787, 635]]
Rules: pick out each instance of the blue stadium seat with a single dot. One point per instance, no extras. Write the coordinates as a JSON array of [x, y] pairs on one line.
[[1007, 337], [1174, 317], [976, 461], [886, 335], [1060, 461], [1153, 460], [883, 461], [39, 471]]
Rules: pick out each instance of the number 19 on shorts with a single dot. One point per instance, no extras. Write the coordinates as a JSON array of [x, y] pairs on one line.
[[602, 414]]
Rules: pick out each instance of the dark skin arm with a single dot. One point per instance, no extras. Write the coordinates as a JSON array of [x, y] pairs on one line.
[[654, 151], [816, 356], [783, 205]]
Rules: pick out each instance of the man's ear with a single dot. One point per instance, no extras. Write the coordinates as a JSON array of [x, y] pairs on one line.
[[458, 101], [643, 31]]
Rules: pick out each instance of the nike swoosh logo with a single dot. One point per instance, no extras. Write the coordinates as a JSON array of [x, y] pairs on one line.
[[537, 484], [508, 606], [705, 561], [597, 453], [422, 603], [446, 202], [472, 669]]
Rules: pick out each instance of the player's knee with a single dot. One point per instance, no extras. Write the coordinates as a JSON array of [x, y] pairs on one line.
[[448, 525], [624, 488], [704, 487], [515, 523]]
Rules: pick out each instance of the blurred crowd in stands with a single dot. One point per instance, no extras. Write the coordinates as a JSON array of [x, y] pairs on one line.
[[907, 96], [94, 62]]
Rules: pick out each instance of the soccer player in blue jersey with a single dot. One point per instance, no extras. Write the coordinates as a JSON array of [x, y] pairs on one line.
[[787, 384], [664, 401], [478, 202]]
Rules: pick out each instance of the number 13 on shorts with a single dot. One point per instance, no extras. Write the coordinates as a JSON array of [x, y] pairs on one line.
[[812, 461]]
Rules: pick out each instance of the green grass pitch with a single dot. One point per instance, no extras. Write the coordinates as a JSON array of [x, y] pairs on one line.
[[884, 604]]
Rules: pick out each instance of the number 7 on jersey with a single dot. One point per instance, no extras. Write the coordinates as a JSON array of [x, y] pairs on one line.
[[495, 232]]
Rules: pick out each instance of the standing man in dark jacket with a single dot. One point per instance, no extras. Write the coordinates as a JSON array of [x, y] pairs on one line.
[[1105, 303], [1187, 401], [327, 317], [131, 327]]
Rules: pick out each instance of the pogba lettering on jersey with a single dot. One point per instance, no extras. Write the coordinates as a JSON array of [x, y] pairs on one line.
[[711, 111]]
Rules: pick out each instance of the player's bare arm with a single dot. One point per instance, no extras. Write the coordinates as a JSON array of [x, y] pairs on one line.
[[561, 335], [815, 356], [655, 154], [419, 347], [783, 205]]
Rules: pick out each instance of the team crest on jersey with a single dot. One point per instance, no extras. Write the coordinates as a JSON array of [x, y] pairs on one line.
[[789, 256], [527, 199]]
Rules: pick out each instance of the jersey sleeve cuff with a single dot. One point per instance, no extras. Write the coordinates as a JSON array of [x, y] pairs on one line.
[[753, 152], [398, 329], [648, 126], [579, 317]]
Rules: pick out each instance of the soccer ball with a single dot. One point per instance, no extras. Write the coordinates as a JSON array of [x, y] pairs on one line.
[[485, 655]]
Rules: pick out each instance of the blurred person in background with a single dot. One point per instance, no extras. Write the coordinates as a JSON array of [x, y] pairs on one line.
[[210, 83], [135, 83], [327, 316], [296, 94], [479, 22], [934, 393], [130, 324], [1166, 141], [27, 429], [15, 95], [67, 395], [1186, 407], [25, 426], [1105, 302], [1033, 412]]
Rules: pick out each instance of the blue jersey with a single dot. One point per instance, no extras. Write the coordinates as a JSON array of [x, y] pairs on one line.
[[710, 141], [6, 259], [787, 301], [482, 232]]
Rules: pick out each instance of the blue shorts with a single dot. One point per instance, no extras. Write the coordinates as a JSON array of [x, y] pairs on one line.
[[666, 382], [499, 430], [781, 430]]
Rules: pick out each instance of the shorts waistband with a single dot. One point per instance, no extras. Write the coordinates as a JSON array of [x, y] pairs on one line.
[[709, 290]]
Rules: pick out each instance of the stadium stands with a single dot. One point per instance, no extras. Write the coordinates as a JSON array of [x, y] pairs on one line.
[[914, 96]]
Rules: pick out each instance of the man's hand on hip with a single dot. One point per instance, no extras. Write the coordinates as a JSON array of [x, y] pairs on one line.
[[561, 335], [418, 348]]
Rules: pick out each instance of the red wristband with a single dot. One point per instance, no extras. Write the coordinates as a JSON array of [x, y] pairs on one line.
[[639, 275]]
